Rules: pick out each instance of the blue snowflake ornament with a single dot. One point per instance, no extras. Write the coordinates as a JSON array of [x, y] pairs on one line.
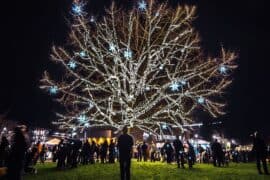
[[142, 5], [128, 54], [53, 90], [175, 86], [77, 9], [112, 47], [82, 118], [72, 64]]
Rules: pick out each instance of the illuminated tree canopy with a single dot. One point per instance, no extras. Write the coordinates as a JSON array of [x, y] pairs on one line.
[[142, 68]]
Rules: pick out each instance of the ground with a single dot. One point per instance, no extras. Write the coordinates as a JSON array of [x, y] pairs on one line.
[[149, 171]]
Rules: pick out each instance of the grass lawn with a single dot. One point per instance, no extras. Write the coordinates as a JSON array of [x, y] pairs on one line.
[[147, 171]]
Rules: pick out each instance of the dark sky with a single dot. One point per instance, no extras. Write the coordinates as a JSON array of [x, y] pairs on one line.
[[30, 27]]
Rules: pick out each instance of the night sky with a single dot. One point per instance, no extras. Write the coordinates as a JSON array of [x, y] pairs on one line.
[[31, 27]]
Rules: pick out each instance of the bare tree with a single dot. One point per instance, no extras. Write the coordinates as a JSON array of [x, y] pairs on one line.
[[142, 68]]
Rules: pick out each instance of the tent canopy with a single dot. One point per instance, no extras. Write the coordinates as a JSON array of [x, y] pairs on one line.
[[54, 141]]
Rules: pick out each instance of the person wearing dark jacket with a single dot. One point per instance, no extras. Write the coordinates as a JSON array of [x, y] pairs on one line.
[[260, 150], [111, 152], [217, 153], [144, 151], [4, 150], [191, 155], [86, 152], [61, 154], [125, 144], [179, 152], [168, 149], [103, 151], [17, 155]]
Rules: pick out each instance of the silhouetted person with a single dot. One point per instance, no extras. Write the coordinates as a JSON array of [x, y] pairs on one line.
[[168, 149], [191, 155], [4, 150], [179, 152], [111, 152], [42, 154], [17, 155], [139, 150], [61, 154], [125, 143], [103, 151], [86, 152], [217, 153], [92, 152], [260, 150], [144, 151], [76, 146], [97, 151]]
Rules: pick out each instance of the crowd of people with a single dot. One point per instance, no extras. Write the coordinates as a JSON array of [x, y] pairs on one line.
[[19, 156]]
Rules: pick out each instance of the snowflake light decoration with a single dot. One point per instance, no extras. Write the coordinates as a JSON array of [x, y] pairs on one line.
[[72, 64], [53, 90], [128, 54], [142, 5]]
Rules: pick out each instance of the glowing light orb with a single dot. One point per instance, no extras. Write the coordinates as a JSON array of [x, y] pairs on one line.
[[86, 125], [183, 82], [201, 100], [142, 5], [82, 54], [92, 19], [72, 64], [164, 126], [222, 69], [82, 118], [53, 90], [128, 54]]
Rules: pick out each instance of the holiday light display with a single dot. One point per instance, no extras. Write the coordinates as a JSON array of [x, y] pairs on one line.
[[143, 68]]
